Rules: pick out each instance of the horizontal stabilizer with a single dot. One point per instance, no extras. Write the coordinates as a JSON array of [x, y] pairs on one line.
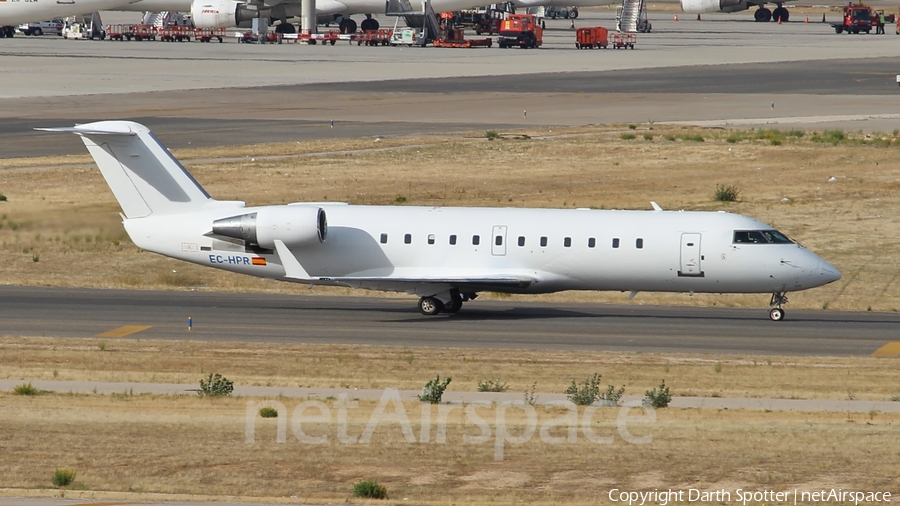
[[113, 128]]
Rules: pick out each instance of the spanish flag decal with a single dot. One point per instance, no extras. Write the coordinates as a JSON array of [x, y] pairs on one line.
[[258, 261]]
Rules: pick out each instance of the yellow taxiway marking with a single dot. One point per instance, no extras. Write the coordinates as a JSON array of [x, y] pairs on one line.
[[103, 504], [127, 330], [888, 350]]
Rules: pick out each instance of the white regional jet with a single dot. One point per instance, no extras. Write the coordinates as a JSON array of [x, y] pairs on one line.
[[15, 12], [445, 255]]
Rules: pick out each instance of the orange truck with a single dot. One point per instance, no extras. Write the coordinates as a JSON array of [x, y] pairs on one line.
[[591, 38], [520, 30], [859, 18]]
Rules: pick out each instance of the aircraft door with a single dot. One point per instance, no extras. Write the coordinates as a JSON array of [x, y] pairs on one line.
[[498, 240], [690, 256]]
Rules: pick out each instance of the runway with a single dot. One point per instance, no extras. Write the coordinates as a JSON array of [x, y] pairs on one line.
[[68, 313]]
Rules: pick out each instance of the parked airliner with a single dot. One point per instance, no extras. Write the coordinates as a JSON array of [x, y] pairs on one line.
[[445, 255], [14, 12]]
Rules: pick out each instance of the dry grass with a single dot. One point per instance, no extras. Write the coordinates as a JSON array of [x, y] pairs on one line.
[[187, 445], [375, 367], [61, 227]]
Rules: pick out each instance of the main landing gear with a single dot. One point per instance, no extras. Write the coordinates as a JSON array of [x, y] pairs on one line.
[[763, 15], [433, 305], [776, 314]]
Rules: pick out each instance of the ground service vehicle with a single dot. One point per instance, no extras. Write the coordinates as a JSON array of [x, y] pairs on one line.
[[520, 30], [590, 38], [561, 12], [54, 27], [856, 18]]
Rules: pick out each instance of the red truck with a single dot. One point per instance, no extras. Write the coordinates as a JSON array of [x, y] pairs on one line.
[[860, 18], [520, 30]]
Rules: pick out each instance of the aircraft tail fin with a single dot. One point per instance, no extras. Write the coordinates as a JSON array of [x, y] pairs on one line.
[[145, 178]]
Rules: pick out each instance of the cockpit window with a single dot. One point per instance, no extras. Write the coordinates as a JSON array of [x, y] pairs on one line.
[[760, 237]]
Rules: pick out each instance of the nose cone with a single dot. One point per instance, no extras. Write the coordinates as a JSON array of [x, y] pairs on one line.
[[828, 273]]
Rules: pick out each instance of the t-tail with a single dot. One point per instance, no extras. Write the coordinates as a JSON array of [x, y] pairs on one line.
[[144, 177]]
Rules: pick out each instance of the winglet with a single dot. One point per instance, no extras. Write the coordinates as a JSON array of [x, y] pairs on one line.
[[655, 206], [292, 268]]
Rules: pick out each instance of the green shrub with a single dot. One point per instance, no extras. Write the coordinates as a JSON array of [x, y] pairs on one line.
[[693, 137], [400, 199], [215, 386], [648, 137], [35, 258], [670, 137], [658, 397], [370, 489], [492, 385], [612, 396], [268, 412], [796, 133], [585, 393], [733, 138], [632, 127], [491, 135], [530, 397], [727, 193], [2, 197], [63, 477], [627, 137], [434, 390], [26, 389], [775, 142]]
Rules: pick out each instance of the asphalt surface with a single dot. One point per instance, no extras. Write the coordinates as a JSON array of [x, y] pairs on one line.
[[857, 76], [27, 311]]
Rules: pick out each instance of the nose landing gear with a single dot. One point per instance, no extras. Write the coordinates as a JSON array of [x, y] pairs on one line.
[[776, 314]]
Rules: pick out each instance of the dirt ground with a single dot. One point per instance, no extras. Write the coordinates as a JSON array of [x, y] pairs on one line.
[[187, 445], [406, 368]]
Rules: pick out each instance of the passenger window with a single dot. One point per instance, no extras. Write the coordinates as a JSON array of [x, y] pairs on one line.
[[592, 242], [543, 242], [639, 243], [476, 240], [453, 240], [616, 242], [567, 242], [498, 241], [521, 240], [430, 238], [407, 239], [383, 238]]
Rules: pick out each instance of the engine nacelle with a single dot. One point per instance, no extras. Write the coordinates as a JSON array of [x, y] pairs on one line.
[[698, 6], [293, 225], [220, 13]]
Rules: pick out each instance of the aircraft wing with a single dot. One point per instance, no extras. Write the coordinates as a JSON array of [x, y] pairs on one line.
[[295, 271]]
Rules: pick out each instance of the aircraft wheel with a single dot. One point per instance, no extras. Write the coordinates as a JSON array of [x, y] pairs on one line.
[[430, 306], [454, 306], [762, 15], [369, 24], [776, 314], [347, 25], [573, 14]]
